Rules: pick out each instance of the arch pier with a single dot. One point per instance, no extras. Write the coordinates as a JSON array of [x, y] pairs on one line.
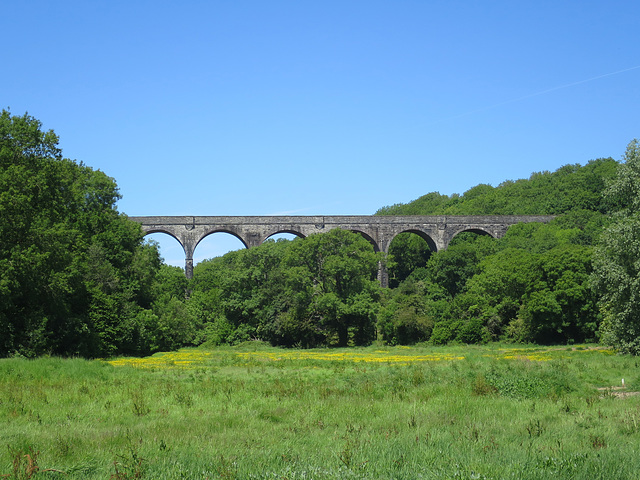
[[379, 230]]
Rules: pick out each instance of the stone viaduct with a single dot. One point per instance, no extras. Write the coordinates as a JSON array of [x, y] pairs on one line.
[[378, 230]]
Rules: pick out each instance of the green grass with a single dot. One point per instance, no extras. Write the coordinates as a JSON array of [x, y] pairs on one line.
[[264, 413]]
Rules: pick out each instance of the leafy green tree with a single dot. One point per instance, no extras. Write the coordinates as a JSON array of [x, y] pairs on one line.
[[307, 292], [428, 204], [240, 296], [453, 267], [411, 312], [206, 300], [616, 275], [587, 225], [407, 253], [332, 277], [534, 288], [169, 322], [74, 271], [497, 291], [560, 306]]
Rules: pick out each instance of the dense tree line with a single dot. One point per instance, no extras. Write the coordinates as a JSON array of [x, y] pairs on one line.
[[318, 291], [535, 284], [77, 277], [617, 258], [570, 188]]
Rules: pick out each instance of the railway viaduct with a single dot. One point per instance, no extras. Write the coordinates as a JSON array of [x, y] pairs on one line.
[[379, 230]]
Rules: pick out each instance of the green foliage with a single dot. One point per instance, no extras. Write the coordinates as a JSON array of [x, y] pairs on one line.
[[411, 311], [317, 291], [77, 278], [407, 252], [572, 187], [623, 191], [542, 292], [431, 202], [453, 267], [240, 293], [616, 275], [75, 272], [334, 278], [531, 285]]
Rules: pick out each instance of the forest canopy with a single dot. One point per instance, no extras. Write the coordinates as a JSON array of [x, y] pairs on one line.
[[76, 274], [533, 285], [78, 278], [571, 187]]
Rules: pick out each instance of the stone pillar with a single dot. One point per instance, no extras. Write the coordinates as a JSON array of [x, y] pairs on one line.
[[384, 242], [252, 239], [188, 268], [383, 274], [188, 243]]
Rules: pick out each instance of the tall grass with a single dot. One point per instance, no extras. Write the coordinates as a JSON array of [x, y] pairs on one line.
[[263, 413]]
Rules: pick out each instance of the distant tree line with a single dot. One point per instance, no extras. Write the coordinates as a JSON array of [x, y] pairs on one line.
[[78, 278], [533, 285]]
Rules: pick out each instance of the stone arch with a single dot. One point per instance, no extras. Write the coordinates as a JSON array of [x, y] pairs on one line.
[[368, 238], [410, 250], [185, 242], [268, 235], [221, 230], [171, 247], [162, 230], [424, 235], [476, 230]]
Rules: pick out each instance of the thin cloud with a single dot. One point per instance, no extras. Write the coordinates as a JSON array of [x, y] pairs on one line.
[[536, 94]]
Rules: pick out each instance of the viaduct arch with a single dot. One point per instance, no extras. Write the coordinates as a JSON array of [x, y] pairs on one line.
[[379, 230]]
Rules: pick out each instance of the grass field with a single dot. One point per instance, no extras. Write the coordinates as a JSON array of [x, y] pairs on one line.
[[380, 413]]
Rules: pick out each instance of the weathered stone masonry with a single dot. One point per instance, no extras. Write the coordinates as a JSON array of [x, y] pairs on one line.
[[437, 230]]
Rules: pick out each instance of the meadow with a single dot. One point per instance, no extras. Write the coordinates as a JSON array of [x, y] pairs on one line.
[[257, 412]]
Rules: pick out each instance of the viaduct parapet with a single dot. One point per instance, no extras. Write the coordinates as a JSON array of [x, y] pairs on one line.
[[379, 230]]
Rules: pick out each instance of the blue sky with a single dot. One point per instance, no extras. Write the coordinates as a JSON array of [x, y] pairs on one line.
[[333, 107]]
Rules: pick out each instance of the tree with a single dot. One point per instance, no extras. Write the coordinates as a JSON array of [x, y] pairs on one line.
[[616, 265], [407, 253], [411, 311], [308, 292], [332, 277], [543, 193], [74, 271], [451, 268], [240, 295], [560, 306], [534, 288]]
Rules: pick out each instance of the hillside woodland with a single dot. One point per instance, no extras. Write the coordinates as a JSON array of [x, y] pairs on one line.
[[78, 278]]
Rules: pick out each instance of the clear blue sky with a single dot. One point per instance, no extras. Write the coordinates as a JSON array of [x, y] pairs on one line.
[[332, 107]]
